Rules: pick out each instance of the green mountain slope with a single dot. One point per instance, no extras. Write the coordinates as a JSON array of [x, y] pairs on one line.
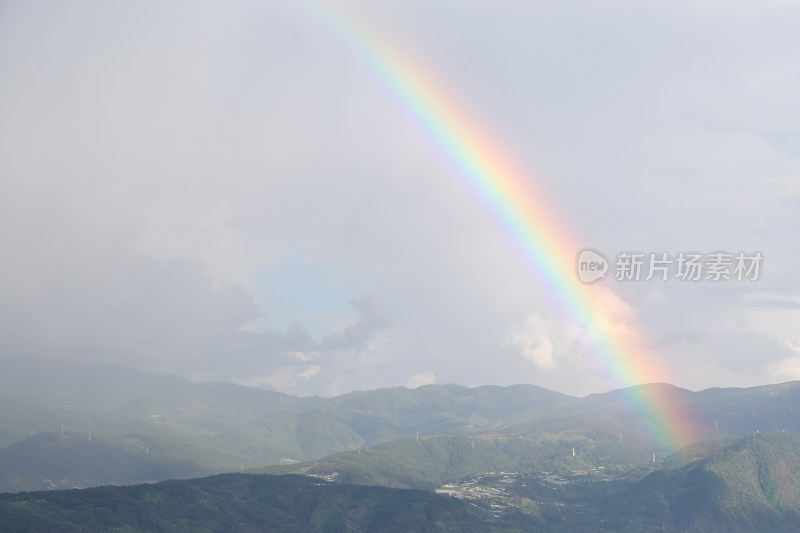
[[747, 486], [199, 429], [53, 461], [242, 503], [433, 461], [750, 485]]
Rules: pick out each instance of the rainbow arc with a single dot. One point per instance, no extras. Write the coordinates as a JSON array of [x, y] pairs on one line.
[[508, 191]]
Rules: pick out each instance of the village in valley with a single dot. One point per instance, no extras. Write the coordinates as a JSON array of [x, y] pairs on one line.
[[537, 491]]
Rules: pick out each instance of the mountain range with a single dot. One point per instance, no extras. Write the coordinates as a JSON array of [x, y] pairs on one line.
[[65, 425], [514, 458], [747, 485]]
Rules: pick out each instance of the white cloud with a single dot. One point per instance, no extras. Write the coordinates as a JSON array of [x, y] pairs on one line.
[[311, 370], [533, 340], [788, 368], [418, 380]]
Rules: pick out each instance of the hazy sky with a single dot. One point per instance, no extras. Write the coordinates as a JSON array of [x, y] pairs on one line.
[[227, 192]]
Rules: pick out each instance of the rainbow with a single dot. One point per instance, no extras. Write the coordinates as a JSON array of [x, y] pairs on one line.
[[538, 234]]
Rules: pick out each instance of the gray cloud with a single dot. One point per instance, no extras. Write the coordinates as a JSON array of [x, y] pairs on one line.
[[156, 160]]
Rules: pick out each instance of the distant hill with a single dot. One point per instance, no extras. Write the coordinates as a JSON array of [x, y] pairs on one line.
[[77, 394], [747, 486], [52, 461], [41, 394], [245, 503], [199, 429], [751, 485], [433, 461], [174, 428]]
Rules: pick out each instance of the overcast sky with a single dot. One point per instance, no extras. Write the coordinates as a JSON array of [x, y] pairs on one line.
[[225, 190]]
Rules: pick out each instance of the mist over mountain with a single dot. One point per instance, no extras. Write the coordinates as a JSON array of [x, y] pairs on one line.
[[206, 428], [138, 427]]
